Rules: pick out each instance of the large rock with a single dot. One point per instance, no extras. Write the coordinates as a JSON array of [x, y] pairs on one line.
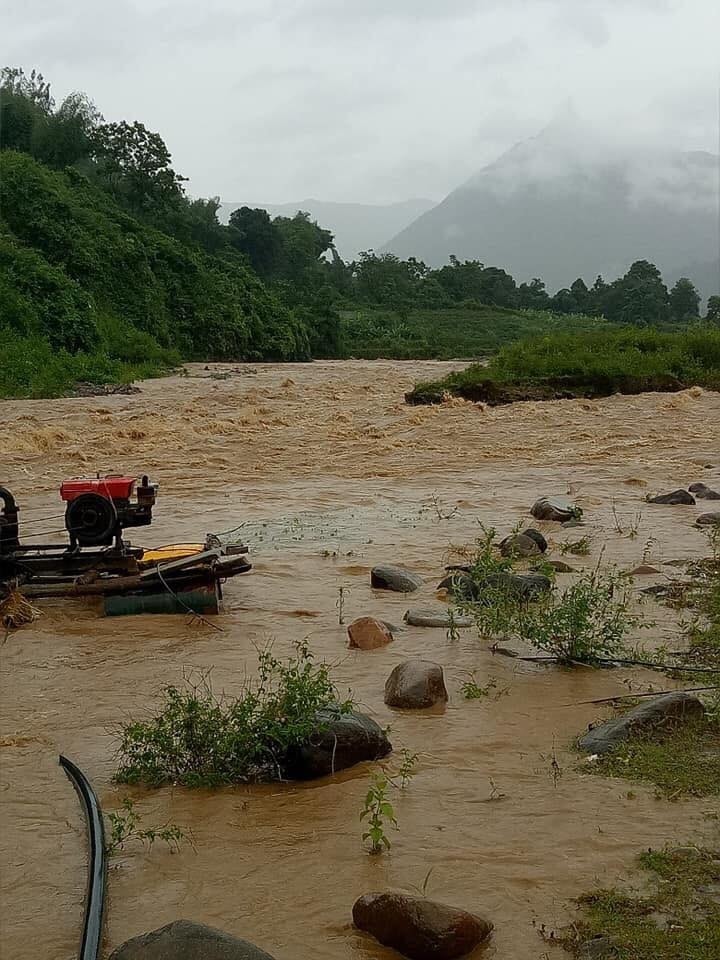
[[418, 928], [389, 577], [666, 710], [436, 618], [520, 545], [342, 740], [673, 498], [708, 520], [537, 537], [558, 509], [703, 492], [367, 633], [185, 940], [416, 684], [514, 586], [460, 584]]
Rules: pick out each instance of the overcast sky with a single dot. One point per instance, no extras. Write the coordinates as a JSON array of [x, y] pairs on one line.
[[372, 100]]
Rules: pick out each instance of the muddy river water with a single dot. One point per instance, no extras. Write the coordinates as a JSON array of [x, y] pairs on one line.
[[327, 472]]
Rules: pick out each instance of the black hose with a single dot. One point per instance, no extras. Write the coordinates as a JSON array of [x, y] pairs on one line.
[[95, 900]]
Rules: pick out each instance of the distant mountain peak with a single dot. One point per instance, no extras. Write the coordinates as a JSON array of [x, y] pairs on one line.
[[565, 204]]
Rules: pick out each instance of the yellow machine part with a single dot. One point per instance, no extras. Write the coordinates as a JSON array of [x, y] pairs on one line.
[[173, 551]]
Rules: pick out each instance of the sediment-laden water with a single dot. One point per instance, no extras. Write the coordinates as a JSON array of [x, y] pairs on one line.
[[326, 471]]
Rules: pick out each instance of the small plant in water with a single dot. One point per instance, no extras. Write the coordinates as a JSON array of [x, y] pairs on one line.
[[407, 767], [378, 811], [579, 548], [441, 512], [495, 792], [125, 828], [340, 604], [587, 623], [453, 634], [471, 690]]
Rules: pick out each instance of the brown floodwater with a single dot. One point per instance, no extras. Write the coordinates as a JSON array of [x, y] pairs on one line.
[[326, 471]]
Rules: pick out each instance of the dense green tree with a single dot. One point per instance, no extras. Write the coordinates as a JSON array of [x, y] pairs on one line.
[[581, 294], [304, 245], [713, 308], [563, 302], [64, 137], [640, 297], [472, 280], [253, 233], [386, 279], [533, 295], [684, 301], [135, 164]]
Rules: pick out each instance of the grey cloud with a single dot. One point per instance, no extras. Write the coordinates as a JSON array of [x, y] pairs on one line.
[[375, 100]]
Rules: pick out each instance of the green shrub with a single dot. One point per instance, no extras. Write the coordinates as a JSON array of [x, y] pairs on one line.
[[586, 623], [197, 739]]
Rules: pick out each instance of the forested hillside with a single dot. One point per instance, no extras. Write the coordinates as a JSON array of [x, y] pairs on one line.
[[103, 257], [109, 271]]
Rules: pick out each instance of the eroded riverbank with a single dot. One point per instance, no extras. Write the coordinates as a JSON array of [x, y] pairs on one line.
[[330, 472]]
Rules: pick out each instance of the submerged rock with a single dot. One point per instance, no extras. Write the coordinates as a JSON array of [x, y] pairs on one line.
[[599, 948], [520, 545], [559, 566], [342, 740], [460, 584], [665, 710], [186, 940], [703, 492], [390, 577], [514, 586], [559, 509], [418, 928], [415, 685], [708, 520], [367, 633], [537, 537], [673, 498], [435, 618]]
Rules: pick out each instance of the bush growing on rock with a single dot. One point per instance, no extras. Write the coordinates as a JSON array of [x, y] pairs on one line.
[[198, 739], [587, 622]]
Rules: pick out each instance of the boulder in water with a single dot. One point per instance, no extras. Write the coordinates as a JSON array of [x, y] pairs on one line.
[[558, 509], [663, 711], [537, 537], [708, 520], [520, 545], [436, 618], [186, 940], [367, 633], [460, 584], [418, 928], [515, 586], [415, 685], [673, 498], [703, 492], [342, 740], [389, 577]]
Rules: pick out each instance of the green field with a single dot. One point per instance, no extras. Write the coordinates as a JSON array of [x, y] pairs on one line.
[[593, 363], [467, 332]]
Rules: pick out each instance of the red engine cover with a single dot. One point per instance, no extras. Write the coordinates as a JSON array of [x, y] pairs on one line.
[[113, 488]]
